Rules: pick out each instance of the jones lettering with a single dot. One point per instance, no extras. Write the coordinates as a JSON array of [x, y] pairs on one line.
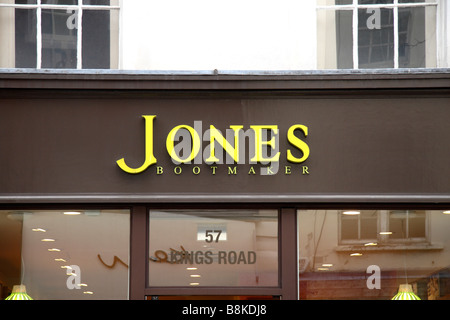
[[184, 143]]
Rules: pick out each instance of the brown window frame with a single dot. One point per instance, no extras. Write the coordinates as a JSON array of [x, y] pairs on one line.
[[287, 288]]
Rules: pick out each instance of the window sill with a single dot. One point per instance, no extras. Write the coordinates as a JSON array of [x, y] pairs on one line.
[[389, 247]]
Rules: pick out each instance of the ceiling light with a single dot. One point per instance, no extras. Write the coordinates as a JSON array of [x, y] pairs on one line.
[[371, 244], [19, 292], [446, 212], [386, 232], [351, 213], [72, 213], [405, 292], [47, 240], [60, 260], [327, 265], [322, 269], [54, 250], [194, 284], [191, 268], [195, 276], [88, 292], [356, 254], [38, 230]]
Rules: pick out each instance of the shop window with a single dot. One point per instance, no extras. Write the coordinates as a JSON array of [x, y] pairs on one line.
[[370, 254], [201, 248], [60, 34], [65, 255], [367, 34]]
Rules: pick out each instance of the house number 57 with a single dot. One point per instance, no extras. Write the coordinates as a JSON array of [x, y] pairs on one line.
[[212, 235]]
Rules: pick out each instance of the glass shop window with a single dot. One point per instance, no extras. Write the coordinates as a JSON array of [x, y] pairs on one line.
[[195, 248], [64, 255], [374, 254], [367, 34], [59, 34]]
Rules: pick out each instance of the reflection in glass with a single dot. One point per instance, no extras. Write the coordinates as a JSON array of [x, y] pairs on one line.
[[87, 259], [345, 256], [213, 248]]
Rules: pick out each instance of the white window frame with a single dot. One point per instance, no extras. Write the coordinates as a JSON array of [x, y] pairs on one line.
[[79, 8], [383, 228], [395, 6]]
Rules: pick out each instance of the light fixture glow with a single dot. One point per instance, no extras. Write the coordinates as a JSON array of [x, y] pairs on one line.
[[327, 265], [88, 292], [322, 269], [194, 284], [405, 292], [195, 276], [351, 213], [356, 254], [48, 240], [72, 213], [54, 250], [446, 212], [371, 244], [38, 230], [386, 232], [191, 268], [60, 260]]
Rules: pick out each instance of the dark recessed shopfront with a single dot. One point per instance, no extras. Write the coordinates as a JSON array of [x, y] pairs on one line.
[[154, 186]]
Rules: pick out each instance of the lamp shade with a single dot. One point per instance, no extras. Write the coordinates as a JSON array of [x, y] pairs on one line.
[[19, 292], [405, 292]]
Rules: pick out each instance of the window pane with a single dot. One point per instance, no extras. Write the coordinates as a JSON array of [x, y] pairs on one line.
[[96, 39], [65, 256], [376, 38], [344, 39], [25, 38], [397, 224], [62, 2], [21, 1], [97, 2], [416, 224], [368, 226], [213, 248], [375, 1], [413, 1], [343, 2], [59, 39], [417, 37], [349, 227]]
